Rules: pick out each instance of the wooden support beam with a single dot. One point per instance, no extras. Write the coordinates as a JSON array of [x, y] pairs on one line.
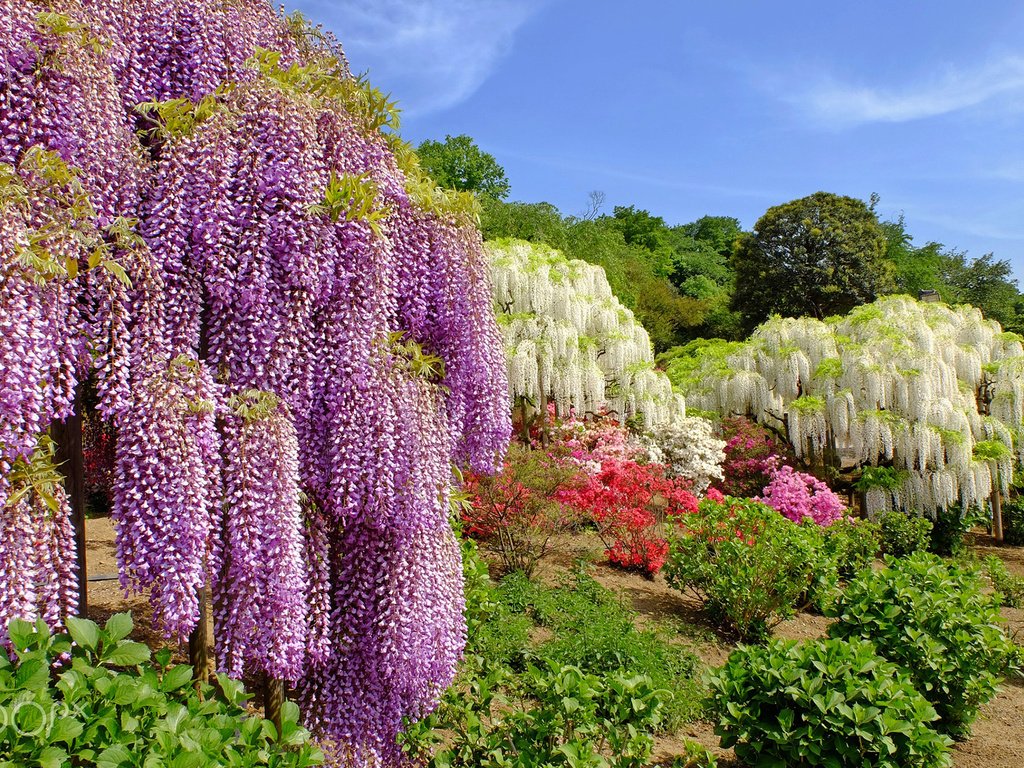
[[198, 652], [67, 436]]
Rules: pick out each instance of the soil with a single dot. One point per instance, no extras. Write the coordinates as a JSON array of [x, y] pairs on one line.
[[998, 734]]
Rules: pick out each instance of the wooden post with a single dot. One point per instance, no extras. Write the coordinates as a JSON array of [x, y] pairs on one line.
[[524, 421], [198, 654], [273, 700], [67, 435], [997, 513]]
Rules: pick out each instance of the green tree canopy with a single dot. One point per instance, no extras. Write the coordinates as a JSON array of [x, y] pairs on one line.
[[718, 232], [985, 282], [820, 255], [458, 163]]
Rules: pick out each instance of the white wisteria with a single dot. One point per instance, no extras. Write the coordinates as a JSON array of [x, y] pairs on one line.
[[935, 392], [568, 339]]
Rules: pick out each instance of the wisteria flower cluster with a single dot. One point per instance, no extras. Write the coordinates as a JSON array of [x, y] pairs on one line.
[[800, 496], [288, 330]]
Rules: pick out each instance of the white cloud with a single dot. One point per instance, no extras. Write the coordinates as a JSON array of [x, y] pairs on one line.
[[431, 54], [954, 90]]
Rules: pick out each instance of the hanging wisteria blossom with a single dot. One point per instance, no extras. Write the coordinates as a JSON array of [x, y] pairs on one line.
[[930, 390], [211, 224], [569, 339]]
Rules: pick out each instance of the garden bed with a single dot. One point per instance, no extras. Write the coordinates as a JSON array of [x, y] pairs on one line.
[[998, 735]]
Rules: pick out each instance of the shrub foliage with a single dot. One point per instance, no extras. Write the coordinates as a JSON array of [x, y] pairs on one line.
[[108, 704], [933, 619], [823, 703], [748, 564]]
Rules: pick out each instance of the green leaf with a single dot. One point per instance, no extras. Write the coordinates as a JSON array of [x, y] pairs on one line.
[[32, 674], [66, 729], [84, 632], [176, 677], [127, 654], [22, 633], [118, 627], [114, 757], [52, 757]]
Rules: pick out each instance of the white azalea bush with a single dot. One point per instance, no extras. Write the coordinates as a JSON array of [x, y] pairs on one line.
[[689, 449]]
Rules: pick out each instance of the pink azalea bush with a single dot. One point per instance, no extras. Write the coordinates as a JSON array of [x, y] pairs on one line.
[[798, 495]]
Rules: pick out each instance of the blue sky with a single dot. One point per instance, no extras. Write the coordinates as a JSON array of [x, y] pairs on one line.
[[723, 108]]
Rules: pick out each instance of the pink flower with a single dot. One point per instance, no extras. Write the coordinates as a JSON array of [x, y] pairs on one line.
[[798, 495]]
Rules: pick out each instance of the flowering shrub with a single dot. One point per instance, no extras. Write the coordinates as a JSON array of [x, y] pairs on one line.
[[689, 449], [798, 496], [589, 443], [627, 502], [516, 513], [751, 454], [747, 563]]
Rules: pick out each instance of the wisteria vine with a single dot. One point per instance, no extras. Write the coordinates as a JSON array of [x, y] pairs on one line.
[[207, 220]]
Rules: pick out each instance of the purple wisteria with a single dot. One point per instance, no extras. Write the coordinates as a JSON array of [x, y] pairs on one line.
[[290, 382]]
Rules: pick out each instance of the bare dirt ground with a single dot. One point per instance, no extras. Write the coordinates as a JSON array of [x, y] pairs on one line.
[[998, 737]]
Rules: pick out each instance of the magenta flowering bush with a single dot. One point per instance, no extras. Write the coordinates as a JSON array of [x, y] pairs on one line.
[[800, 496], [201, 216]]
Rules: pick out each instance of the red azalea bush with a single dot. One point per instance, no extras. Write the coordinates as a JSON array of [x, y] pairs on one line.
[[752, 453], [516, 514], [628, 503], [589, 473]]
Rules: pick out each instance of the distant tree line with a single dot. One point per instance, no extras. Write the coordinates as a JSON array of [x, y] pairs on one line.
[[821, 255]]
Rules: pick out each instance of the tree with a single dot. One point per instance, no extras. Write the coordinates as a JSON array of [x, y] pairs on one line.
[[670, 317], [460, 164], [288, 326], [985, 282], [568, 339], [719, 232], [820, 255], [932, 395]]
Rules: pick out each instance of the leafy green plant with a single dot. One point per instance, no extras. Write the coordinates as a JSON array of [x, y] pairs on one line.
[[694, 755], [1013, 522], [748, 564], [933, 619], [559, 716], [94, 698], [497, 635], [823, 703], [950, 527], [904, 534], [853, 544], [593, 630], [1009, 586]]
